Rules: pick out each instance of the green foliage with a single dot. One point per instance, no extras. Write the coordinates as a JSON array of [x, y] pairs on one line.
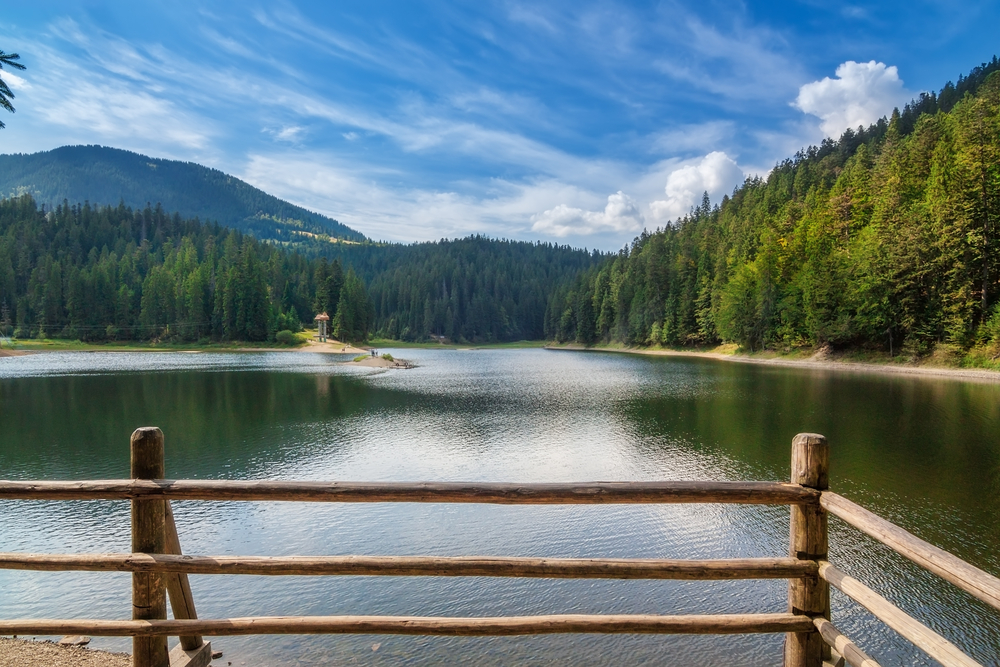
[[121, 274], [361, 357], [6, 95], [474, 289], [885, 239], [387, 357], [739, 312], [118, 274], [288, 322], [107, 176], [286, 337], [354, 311]]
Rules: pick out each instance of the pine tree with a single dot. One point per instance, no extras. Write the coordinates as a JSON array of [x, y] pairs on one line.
[[6, 95]]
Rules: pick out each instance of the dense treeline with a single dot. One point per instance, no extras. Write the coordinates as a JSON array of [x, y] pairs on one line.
[[475, 289], [118, 274], [107, 176], [103, 273], [887, 239]]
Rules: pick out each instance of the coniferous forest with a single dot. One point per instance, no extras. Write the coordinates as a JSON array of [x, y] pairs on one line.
[[117, 274], [106, 273], [474, 289], [887, 239]]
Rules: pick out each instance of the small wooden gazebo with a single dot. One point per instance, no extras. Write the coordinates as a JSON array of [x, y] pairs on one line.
[[323, 323]]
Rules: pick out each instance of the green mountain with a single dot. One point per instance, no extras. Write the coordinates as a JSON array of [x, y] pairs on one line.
[[886, 239], [107, 176]]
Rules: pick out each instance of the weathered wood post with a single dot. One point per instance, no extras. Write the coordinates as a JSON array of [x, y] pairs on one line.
[[808, 541], [149, 596], [192, 651], [178, 586]]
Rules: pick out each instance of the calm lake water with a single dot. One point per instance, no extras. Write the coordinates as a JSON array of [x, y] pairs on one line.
[[924, 452]]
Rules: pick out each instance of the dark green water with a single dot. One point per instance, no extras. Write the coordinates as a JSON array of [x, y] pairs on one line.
[[923, 452]]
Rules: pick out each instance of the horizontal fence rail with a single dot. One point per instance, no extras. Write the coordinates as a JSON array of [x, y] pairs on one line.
[[160, 571], [916, 632], [417, 625], [951, 568], [585, 493], [836, 640], [410, 566]]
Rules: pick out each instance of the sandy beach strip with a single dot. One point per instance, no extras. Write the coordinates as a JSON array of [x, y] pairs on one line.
[[24, 653], [814, 363]]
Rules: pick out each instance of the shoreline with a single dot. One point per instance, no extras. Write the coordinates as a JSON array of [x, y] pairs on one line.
[[18, 652], [815, 363], [818, 360], [310, 345]]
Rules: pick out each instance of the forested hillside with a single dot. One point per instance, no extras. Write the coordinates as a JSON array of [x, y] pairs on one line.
[[106, 273], [108, 176], [475, 289], [116, 274], [888, 238]]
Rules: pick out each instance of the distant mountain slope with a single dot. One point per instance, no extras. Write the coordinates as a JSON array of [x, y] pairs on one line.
[[109, 175]]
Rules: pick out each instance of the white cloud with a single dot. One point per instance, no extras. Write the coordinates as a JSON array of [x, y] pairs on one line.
[[288, 133], [860, 95], [372, 201], [693, 137], [530, 16], [738, 61], [620, 215], [97, 105], [716, 173], [14, 81], [445, 155]]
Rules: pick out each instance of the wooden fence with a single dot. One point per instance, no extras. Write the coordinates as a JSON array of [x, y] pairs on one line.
[[160, 571]]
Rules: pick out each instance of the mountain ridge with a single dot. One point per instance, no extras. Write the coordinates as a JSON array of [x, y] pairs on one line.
[[104, 175]]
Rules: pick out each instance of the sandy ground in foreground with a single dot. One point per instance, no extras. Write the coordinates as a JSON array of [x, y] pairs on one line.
[[817, 361], [24, 653], [334, 346]]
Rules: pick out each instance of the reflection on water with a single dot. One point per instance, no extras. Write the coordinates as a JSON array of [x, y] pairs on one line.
[[923, 452]]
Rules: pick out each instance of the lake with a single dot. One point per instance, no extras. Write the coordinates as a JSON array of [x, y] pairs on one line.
[[922, 452]]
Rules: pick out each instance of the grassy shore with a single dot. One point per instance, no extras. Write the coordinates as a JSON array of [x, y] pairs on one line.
[[303, 338], [62, 345]]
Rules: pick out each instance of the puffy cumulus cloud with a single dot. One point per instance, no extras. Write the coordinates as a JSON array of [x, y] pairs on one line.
[[620, 215], [860, 95], [716, 173]]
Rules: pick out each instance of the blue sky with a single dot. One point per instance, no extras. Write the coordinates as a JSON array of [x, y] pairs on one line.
[[574, 122]]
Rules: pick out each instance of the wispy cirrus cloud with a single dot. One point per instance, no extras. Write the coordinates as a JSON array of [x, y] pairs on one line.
[[577, 121], [98, 104]]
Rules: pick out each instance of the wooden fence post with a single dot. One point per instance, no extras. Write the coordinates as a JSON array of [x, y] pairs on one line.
[[192, 651], [808, 541], [149, 597]]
